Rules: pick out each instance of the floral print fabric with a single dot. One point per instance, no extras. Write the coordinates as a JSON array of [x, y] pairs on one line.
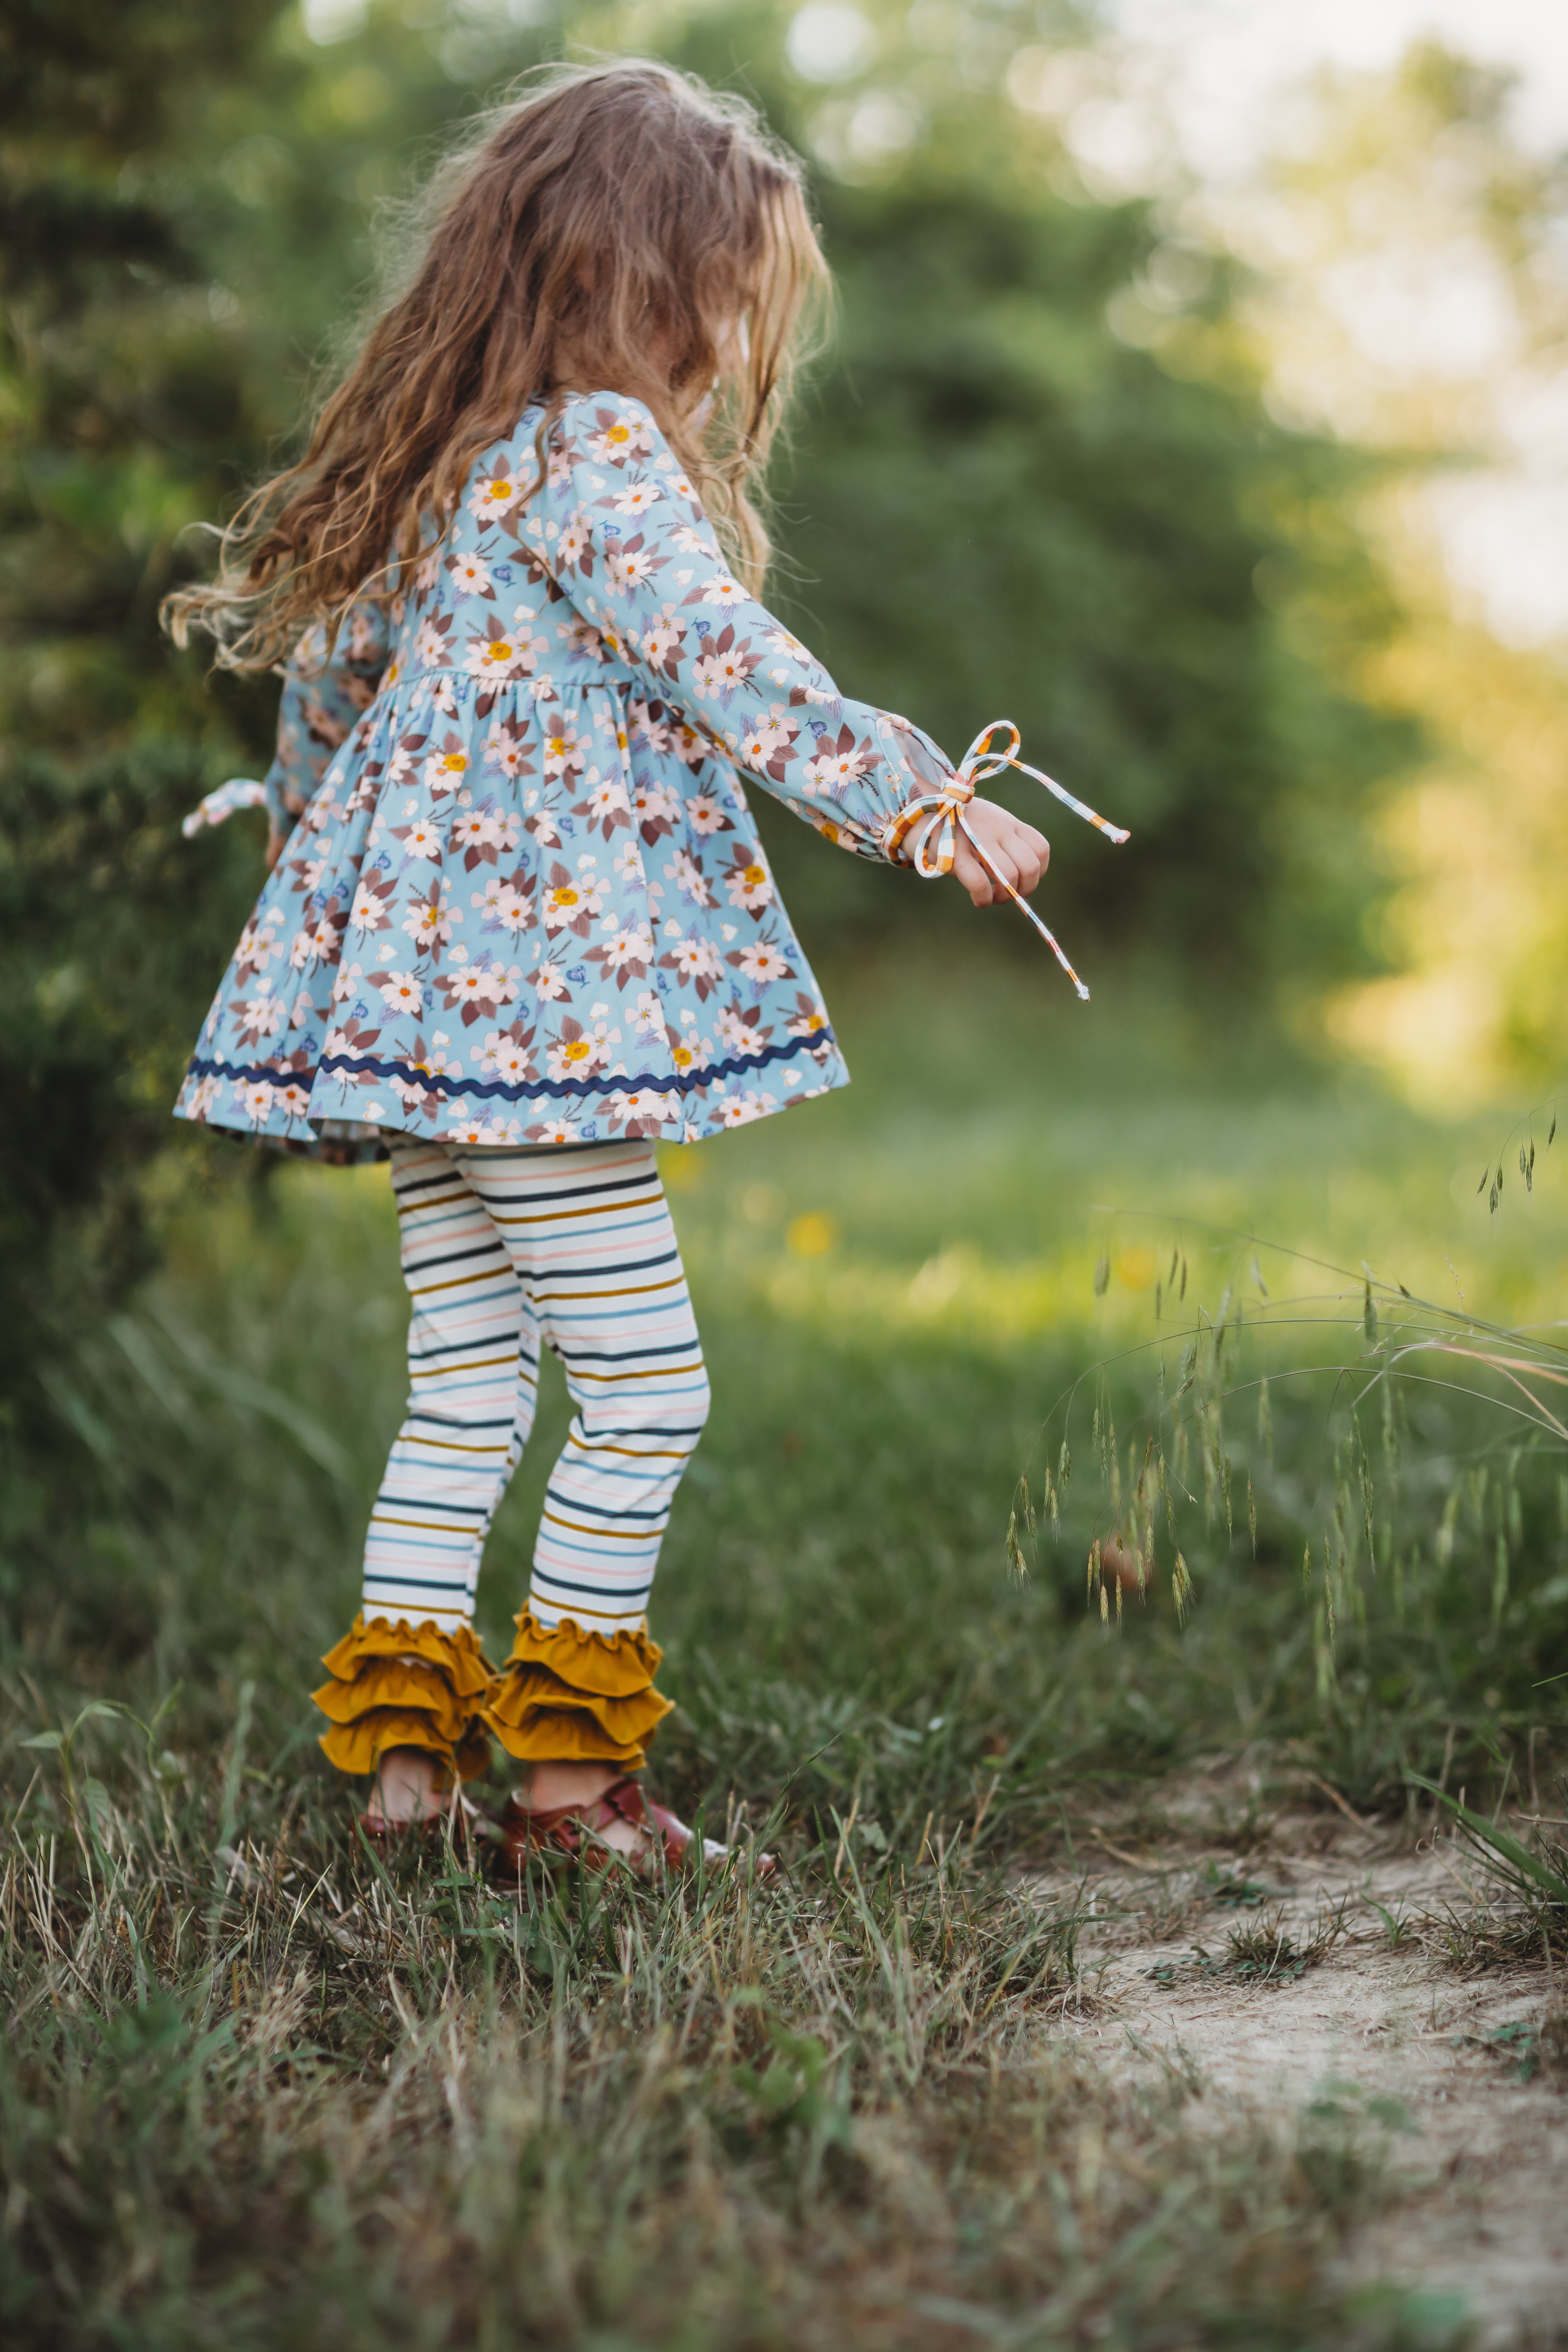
[[523, 898]]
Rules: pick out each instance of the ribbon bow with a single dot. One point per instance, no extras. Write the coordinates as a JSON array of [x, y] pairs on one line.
[[931, 823]]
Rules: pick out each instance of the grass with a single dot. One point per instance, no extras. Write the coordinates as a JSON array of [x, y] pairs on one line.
[[235, 2112], [259, 2090]]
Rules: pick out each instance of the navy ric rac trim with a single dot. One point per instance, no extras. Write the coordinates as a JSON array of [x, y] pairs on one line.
[[487, 1089]]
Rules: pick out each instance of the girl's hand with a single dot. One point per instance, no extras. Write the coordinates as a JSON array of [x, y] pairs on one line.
[[1019, 853], [275, 840]]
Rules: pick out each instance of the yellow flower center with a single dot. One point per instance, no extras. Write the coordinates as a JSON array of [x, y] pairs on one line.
[[577, 1050], [619, 432], [454, 763], [501, 651], [564, 898], [753, 876]]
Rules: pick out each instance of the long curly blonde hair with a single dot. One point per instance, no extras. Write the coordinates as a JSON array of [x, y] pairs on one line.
[[617, 226]]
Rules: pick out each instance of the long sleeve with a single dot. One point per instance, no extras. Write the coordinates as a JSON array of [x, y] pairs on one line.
[[618, 526], [321, 700]]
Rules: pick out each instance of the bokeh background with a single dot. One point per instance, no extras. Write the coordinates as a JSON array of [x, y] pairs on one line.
[[1196, 400]]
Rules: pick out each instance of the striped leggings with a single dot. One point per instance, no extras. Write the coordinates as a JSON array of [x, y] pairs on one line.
[[503, 1250]]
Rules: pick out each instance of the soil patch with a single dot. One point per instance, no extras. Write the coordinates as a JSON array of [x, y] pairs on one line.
[[1328, 1977]]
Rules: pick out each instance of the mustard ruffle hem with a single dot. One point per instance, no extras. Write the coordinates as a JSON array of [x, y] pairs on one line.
[[567, 1696], [406, 1686]]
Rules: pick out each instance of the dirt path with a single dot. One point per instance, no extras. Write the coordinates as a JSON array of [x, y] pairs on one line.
[[1272, 1981]]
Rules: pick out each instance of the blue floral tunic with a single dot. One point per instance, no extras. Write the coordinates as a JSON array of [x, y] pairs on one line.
[[523, 899]]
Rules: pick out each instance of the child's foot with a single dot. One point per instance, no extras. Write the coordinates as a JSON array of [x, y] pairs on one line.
[[411, 1786], [563, 1792], [590, 1811]]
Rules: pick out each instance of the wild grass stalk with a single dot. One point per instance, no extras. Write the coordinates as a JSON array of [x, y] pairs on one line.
[[1411, 1455]]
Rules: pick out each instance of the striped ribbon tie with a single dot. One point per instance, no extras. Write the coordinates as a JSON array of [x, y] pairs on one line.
[[924, 833]]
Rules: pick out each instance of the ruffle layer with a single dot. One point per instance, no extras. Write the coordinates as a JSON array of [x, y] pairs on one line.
[[567, 1696], [406, 1687]]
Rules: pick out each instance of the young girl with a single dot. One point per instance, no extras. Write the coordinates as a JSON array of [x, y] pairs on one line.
[[519, 928]]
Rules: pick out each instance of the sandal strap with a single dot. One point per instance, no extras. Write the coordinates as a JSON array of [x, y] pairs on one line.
[[624, 1796], [569, 1830], [627, 1797]]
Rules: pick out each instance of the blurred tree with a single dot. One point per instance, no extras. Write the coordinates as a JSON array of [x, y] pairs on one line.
[[1036, 476], [183, 193], [1429, 307]]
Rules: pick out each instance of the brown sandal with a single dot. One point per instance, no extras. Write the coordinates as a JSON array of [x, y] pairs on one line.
[[668, 1844]]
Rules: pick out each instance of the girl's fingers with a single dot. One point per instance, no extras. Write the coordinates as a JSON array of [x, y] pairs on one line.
[[1031, 855], [1003, 845], [977, 875], [1028, 853]]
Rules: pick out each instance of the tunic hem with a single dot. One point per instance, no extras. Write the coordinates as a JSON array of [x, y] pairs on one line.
[[624, 1102]]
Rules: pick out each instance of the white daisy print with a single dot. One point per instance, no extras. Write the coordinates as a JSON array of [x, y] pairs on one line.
[[831, 770], [763, 965], [498, 657], [574, 543], [626, 951], [420, 840], [500, 1057], [401, 991], [689, 879], [444, 771], [493, 496], [471, 575]]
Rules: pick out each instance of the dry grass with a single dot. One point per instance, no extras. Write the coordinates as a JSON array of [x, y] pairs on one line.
[[295, 2098]]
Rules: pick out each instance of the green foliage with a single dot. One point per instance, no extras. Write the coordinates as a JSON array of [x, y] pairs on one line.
[[999, 501], [110, 926], [183, 198]]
